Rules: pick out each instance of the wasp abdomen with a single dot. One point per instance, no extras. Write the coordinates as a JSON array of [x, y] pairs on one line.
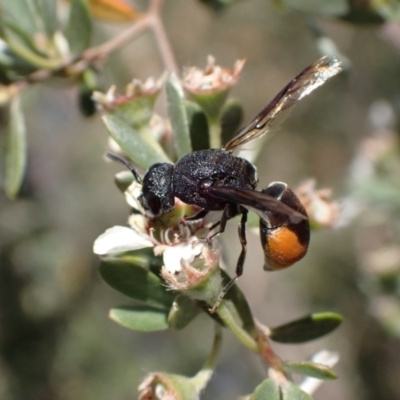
[[284, 242]]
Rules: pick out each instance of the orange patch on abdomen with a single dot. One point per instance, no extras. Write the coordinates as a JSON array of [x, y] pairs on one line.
[[282, 248]]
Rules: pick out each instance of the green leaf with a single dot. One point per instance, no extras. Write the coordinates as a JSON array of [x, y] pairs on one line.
[[329, 8], [267, 390], [132, 143], [25, 39], [47, 11], [140, 318], [137, 282], [240, 309], [307, 328], [292, 392], [23, 20], [144, 258], [231, 118], [123, 180], [22, 12], [21, 43], [79, 28], [12, 66], [33, 58], [308, 368], [16, 150], [198, 126], [182, 312], [178, 117]]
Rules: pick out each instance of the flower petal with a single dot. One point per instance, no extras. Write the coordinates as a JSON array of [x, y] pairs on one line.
[[186, 251], [119, 239], [132, 194]]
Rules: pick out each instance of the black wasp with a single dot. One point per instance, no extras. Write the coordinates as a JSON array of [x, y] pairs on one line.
[[217, 180]]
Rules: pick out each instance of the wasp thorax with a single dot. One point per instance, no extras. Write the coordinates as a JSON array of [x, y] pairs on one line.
[[157, 196]]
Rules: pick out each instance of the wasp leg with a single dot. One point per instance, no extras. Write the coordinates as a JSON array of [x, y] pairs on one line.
[[240, 262], [228, 213], [200, 215], [190, 221], [243, 241]]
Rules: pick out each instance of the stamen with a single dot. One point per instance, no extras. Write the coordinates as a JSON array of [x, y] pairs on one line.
[[166, 237], [151, 233]]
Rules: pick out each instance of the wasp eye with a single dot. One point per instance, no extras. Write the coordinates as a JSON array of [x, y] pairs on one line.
[[157, 196], [154, 205]]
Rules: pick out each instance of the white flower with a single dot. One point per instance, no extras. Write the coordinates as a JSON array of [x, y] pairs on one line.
[[184, 252], [119, 239], [177, 242]]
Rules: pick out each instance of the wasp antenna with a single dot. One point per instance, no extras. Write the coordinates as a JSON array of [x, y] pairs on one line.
[[122, 161]]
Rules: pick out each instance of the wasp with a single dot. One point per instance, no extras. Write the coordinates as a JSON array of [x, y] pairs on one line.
[[218, 180]]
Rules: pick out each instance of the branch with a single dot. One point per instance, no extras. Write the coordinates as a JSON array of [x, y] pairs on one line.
[[98, 54]]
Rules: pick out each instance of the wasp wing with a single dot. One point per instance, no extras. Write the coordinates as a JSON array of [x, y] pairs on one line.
[[279, 108], [262, 204]]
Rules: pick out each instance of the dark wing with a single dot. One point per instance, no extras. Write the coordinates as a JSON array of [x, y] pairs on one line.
[[278, 109], [261, 203]]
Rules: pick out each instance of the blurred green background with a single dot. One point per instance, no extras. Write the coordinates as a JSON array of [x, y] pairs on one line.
[[56, 341]]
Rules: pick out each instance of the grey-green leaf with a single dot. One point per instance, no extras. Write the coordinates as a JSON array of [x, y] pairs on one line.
[[309, 368], [140, 318], [329, 8], [292, 392], [307, 328], [198, 126], [231, 118], [182, 312], [137, 282], [79, 28], [178, 117], [24, 39], [23, 12], [16, 150], [132, 143], [267, 390], [47, 11], [237, 302], [123, 180]]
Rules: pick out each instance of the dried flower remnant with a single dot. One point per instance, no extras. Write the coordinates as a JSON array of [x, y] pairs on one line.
[[135, 105], [157, 386], [322, 210], [198, 276], [134, 90], [212, 79], [162, 386], [209, 88]]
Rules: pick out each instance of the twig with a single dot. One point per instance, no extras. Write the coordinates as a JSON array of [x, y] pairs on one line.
[[162, 41], [267, 353], [101, 52], [98, 54]]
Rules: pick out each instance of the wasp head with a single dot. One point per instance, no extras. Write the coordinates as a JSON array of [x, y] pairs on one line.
[[157, 196]]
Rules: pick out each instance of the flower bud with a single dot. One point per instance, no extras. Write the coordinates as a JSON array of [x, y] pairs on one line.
[[136, 105], [209, 88], [160, 386]]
